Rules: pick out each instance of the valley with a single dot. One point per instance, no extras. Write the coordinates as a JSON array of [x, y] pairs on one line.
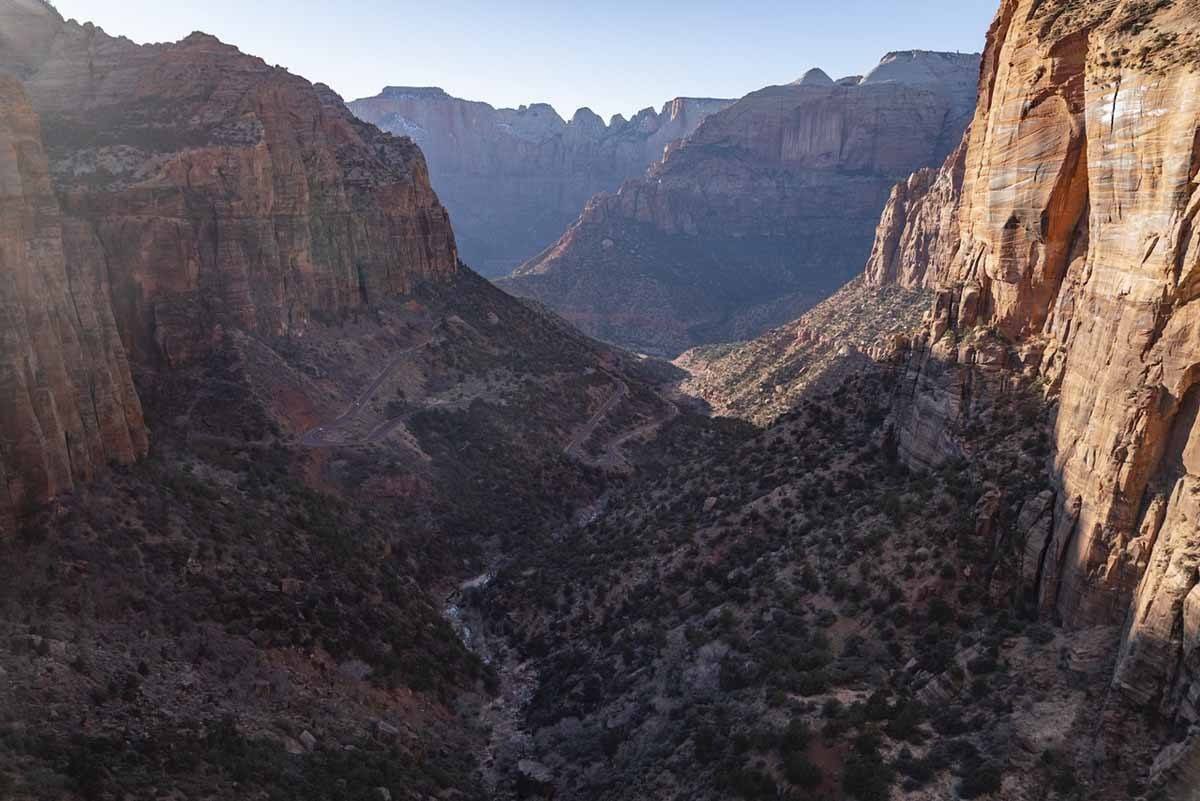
[[841, 444]]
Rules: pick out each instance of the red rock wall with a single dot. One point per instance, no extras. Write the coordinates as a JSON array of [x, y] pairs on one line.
[[220, 192], [67, 402], [1073, 244], [168, 194], [918, 231]]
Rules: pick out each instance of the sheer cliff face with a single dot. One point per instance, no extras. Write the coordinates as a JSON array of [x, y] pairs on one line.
[[514, 179], [156, 197], [1073, 235], [767, 208], [67, 403], [219, 192]]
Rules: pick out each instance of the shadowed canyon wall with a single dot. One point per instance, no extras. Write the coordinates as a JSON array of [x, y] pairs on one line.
[[219, 191], [514, 179]]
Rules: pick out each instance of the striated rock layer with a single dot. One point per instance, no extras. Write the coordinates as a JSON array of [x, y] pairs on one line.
[[514, 179], [1063, 242], [217, 191], [763, 211], [169, 194], [67, 403]]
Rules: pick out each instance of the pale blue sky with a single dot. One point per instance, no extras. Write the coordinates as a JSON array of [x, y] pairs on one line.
[[611, 55]]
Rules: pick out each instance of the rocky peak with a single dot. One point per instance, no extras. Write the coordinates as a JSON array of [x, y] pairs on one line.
[[921, 67], [646, 121], [815, 77], [533, 123], [426, 92], [202, 39], [693, 108], [587, 118], [540, 110]]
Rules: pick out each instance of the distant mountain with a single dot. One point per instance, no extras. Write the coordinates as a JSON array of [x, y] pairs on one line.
[[514, 179], [765, 210]]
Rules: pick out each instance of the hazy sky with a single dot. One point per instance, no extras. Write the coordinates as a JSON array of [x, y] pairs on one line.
[[611, 55]]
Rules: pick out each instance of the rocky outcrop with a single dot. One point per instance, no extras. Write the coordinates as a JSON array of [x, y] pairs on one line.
[[67, 403], [216, 191], [514, 179], [917, 231], [1071, 253], [763, 211]]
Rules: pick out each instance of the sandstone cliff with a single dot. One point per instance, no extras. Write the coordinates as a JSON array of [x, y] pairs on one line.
[[170, 194], [217, 191], [767, 208], [909, 243], [67, 403], [514, 179], [1063, 243]]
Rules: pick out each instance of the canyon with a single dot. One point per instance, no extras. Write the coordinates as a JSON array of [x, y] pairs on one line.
[[514, 179], [766, 209], [302, 506], [1059, 245], [237, 347]]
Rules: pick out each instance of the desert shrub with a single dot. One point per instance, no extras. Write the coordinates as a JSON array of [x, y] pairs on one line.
[[867, 777], [801, 771], [980, 780]]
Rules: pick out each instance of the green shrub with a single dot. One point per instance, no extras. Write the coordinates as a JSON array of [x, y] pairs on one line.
[[867, 778]]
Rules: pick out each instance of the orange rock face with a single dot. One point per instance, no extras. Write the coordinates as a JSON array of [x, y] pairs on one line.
[[67, 403], [1072, 236], [909, 243], [218, 191]]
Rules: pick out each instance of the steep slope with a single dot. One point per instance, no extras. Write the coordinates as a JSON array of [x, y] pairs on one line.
[[265, 594], [914, 239], [514, 179], [67, 402], [765, 378], [767, 208], [1048, 402]]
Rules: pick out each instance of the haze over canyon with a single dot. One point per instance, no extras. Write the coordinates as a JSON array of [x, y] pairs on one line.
[[840, 441]]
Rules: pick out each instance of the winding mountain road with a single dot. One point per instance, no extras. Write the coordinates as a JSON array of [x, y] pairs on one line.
[[327, 434], [584, 434]]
